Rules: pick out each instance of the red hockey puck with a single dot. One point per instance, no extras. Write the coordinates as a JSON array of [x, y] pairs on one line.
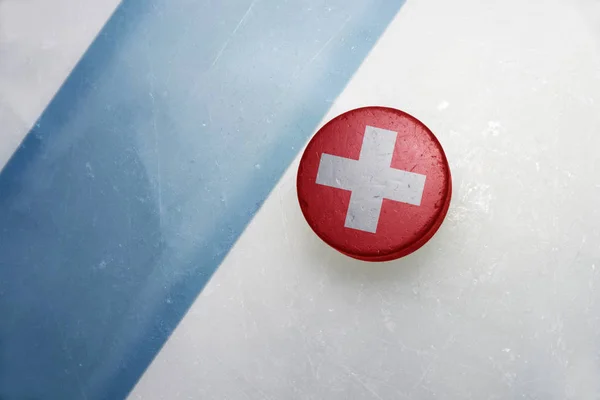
[[374, 183]]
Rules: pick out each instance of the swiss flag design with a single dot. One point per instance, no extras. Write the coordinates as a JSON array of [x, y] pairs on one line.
[[374, 183]]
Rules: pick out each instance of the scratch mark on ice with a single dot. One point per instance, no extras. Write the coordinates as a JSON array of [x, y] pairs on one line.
[[430, 365], [232, 34], [318, 53], [357, 378], [157, 151], [67, 351]]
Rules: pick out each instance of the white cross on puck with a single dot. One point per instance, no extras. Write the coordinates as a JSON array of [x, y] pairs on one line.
[[374, 183]]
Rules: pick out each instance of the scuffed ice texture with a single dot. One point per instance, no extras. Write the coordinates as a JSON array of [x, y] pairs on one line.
[[503, 303]]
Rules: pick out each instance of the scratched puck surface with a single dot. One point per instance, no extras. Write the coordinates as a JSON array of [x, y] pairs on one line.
[[374, 183]]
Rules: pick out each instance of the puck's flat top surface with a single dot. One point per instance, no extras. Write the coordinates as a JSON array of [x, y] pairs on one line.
[[374, 183]]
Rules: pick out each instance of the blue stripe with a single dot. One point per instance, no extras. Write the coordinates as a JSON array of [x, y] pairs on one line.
[[144, 170]]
